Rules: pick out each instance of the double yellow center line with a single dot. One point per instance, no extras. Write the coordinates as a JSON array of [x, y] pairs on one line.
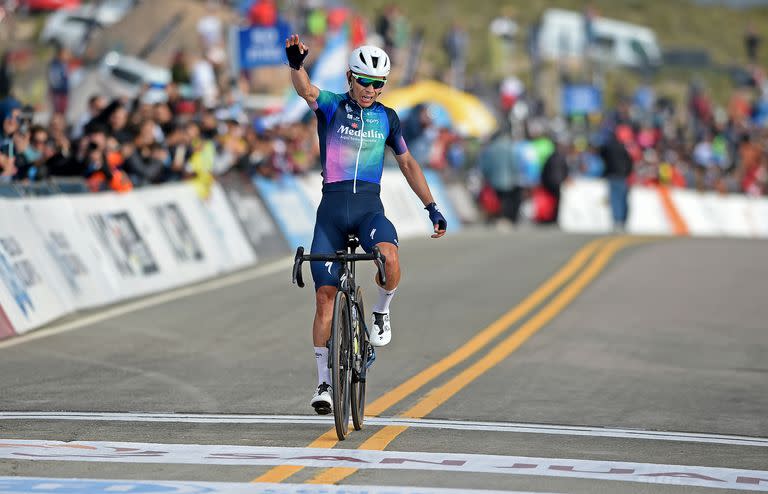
[[605, 249]]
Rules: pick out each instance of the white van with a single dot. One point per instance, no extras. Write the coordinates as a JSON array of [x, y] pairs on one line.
[[123, 75], [559, 34]]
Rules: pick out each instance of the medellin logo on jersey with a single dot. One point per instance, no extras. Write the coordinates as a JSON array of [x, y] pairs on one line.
[[371, 134]]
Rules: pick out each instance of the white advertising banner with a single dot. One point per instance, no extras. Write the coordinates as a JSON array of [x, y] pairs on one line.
[[134, 249], [185, 231], [32, 289], [74, 250], [699, 212], [646, 213], [733, 215], [758, 214], [63, 253], [402, 206], [585, 206], [234, 251]]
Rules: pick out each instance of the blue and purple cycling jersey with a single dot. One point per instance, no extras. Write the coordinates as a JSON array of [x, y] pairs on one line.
[[352, 138], [352, 141]]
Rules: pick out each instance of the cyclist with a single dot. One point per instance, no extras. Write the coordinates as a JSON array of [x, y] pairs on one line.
[[353, 129]]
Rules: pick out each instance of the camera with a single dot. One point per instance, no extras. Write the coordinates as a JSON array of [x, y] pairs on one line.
[[25, 118]]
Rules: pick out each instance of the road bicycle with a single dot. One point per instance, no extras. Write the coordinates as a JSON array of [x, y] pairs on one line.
[[350, 353]]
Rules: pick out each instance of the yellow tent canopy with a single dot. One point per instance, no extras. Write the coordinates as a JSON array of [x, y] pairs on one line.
[[468, 114]]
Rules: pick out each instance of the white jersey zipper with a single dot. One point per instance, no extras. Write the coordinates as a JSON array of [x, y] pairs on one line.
[[357, 160]]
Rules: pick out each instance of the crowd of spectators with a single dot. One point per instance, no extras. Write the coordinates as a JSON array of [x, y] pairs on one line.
[[123, 143], [643, 140]]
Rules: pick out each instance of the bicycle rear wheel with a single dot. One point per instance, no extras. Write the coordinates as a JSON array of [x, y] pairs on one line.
[[359, 355], [340, 371]]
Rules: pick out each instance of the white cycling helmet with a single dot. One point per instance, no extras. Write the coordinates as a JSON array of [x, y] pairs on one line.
[[369, 60]]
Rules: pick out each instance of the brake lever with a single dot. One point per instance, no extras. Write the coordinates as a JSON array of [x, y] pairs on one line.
[[296, 276]]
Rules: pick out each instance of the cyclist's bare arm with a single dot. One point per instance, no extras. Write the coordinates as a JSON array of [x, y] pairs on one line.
[[300, 78], [415, 177]]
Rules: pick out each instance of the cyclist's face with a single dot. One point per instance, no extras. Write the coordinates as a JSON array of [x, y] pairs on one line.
[[364, 96]]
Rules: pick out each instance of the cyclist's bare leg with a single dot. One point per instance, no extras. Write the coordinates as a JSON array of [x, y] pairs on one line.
[[321, 328], [392, 264]]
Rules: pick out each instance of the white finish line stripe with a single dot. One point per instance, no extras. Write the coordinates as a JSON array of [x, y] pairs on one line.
[[19, 485], [511, 427], [123, 452]]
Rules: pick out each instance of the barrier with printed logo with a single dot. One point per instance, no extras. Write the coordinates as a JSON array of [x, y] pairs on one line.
[[32, 292], [252, 214], [60, 254], [290, 207], [75, 253], [585, 208]]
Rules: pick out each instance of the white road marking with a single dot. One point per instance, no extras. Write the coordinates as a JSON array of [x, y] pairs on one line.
[[197, 454], [151, 301], [18, 485], [511, 427]]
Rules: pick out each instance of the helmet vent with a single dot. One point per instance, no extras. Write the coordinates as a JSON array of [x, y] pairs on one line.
[[362, 59], [375, 61]]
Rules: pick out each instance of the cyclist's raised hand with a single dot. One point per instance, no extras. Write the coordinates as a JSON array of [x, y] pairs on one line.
[[438, 220], [296, 51]]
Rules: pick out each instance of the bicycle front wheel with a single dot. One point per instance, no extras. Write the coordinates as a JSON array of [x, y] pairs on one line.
[[341, 368], [359, 355]]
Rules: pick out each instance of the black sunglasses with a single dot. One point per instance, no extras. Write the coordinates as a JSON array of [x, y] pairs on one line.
[[368, 81]]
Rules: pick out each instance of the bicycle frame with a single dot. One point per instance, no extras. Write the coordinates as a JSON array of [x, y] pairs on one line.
[[349, 353], [347, 282]]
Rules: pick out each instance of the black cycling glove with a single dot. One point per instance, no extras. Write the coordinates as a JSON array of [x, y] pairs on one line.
[[436, 217], [295, 57]]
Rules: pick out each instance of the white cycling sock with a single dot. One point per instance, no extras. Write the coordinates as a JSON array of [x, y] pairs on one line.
[[323, 372], [385, 297]]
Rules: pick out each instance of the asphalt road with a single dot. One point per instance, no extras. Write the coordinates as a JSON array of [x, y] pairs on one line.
[[522, 361]]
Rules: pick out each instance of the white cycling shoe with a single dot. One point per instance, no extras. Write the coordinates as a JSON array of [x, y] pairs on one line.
[[322, 402], [381, 332]]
